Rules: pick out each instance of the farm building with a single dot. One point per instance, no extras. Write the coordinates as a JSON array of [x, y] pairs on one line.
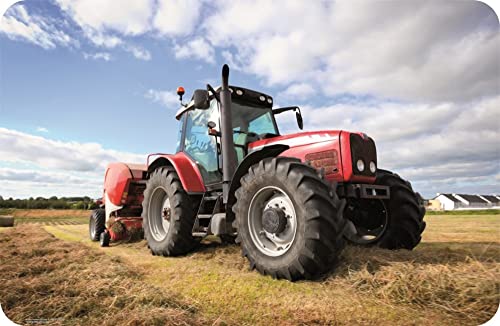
[[433, 205], [449, 202], [494, 200], [464, 201]]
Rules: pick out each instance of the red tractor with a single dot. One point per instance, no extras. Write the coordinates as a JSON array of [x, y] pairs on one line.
[[291, 201]]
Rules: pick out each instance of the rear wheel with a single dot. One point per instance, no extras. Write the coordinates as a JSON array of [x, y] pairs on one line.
[[289, 221], [97, 223], [396, 223], [167, 214]]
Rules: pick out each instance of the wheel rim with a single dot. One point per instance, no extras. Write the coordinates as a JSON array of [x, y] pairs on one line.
[[272, 244], [159, 214], [370, 227]]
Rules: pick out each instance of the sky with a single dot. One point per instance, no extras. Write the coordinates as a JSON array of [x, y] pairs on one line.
[[88, 82]]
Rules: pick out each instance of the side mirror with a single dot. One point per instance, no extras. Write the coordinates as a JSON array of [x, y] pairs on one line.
[[300, 121], [200, 98]]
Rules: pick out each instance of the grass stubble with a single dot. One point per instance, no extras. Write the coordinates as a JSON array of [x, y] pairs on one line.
[[47, 280], [451, 278]]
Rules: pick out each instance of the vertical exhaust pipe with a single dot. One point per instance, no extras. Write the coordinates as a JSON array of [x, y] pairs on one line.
[[228, 153]]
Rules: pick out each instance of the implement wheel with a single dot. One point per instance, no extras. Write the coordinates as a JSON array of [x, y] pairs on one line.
[[289, 220], [97, 222]]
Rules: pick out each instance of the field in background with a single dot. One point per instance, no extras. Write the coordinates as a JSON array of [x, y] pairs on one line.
[[452, 277], [47, 216]]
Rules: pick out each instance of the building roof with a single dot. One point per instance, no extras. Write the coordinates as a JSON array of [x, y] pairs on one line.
[[473, 199], [491, 198], [450, 197]]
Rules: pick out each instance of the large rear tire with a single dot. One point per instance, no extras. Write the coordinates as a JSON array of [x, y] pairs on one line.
[[289, 220], [167, 214], [395, 223], [97, 222]]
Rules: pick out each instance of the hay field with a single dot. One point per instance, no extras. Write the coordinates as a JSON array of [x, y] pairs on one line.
[[453, 277], [47, 216]]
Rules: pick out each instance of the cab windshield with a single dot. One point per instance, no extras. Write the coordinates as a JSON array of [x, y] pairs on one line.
[[248, 119]]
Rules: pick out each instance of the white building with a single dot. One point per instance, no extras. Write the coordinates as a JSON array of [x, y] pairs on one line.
[[464, 201], [449, 202]]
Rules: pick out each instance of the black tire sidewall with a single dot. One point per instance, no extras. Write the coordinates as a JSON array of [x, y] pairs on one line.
[[293, 252], [179, 239], [97, 224]]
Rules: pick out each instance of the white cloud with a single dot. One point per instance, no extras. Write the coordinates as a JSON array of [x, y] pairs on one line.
[[16, 146], [167, 98], [102, 39], [42, 129], [44, 177], [298, 91], [18, 24], [177, 17], [197, 48], [139, 52], [130, 18], [450, 143], [37, 166], [395, 49], [106, 56], [108, 25]]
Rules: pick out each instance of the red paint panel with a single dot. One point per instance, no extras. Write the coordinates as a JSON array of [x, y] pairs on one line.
[[297, 139], [117, 178], [188, 172], [302, 144]]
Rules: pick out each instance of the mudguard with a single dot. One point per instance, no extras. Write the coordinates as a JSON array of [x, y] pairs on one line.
[[188, 172]]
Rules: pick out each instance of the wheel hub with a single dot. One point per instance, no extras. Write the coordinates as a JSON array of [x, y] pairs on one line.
[[166, 213], [273, 220]]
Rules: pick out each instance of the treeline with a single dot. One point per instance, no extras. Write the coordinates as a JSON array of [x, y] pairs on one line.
[[49, 203]]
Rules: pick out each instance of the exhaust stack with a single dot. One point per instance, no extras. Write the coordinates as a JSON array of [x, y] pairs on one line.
[[228, 153]]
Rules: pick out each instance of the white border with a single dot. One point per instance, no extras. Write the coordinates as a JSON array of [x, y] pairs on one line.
[[5, 4], [493, 4], [4, 320]]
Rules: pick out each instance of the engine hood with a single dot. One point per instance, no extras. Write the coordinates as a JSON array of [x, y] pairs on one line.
[[297, 139]]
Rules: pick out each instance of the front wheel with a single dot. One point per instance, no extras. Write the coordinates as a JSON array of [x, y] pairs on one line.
[[167, 214], [289, 221], [395, 223]]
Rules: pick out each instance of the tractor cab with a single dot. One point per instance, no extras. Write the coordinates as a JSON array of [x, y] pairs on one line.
[[199, 134]]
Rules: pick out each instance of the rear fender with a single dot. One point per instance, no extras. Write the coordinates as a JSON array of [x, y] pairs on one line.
[[248, 161], [188, 172]]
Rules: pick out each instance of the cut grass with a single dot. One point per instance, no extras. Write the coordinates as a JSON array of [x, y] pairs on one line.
[[48, 216], [442, 282], [474, 212], [49, 280], [45, 213], [451, 278]]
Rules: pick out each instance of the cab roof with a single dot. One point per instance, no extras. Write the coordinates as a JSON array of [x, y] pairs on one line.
[[239, 94]]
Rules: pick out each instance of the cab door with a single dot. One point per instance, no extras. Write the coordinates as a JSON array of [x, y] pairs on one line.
[[199, 145]]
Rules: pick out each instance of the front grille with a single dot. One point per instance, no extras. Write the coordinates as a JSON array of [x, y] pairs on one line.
[[327, 160], [364, 149]]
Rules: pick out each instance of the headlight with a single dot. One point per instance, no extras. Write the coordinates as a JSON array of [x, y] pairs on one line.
[[373, 167], [360, 165]]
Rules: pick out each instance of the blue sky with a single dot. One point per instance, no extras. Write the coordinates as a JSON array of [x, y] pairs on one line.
[[85, 82]]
